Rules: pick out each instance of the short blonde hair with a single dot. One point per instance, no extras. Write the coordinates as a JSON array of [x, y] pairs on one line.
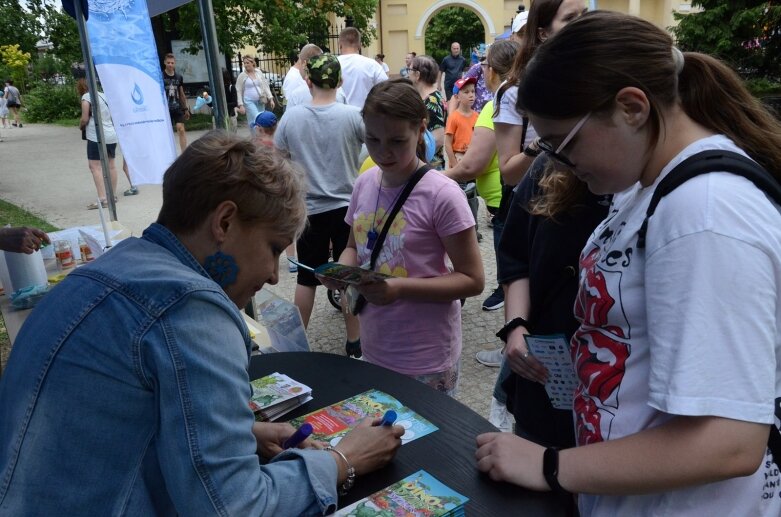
[[266, 187]]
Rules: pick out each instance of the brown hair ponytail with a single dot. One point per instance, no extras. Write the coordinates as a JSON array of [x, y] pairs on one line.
[[581, 69], [714, 96], [541, 15]]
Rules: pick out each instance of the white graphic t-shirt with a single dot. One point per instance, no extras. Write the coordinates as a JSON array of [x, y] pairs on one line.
[[690, 325]]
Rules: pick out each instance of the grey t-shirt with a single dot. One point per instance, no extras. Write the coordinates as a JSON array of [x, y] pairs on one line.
[[326, 142]]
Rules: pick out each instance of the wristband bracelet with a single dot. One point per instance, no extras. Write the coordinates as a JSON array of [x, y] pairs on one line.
[[510, 326], [531, 152], [550, 470], [350, 481]]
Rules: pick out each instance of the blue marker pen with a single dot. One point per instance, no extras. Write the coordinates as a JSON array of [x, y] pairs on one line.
[[388, 418], [301, 434]]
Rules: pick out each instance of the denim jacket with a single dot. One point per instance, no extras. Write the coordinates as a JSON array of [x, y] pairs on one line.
[[127, 392]]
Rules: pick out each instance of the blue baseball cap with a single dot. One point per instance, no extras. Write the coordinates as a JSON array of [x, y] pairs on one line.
[[265, 119]]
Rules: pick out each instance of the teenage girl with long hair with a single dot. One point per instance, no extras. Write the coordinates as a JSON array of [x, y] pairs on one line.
[[538, 255], [546, 17], [678, 353], [412, 323]]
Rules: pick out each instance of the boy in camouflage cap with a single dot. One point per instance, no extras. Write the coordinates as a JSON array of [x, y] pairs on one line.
[[324, 71], [324, 137]]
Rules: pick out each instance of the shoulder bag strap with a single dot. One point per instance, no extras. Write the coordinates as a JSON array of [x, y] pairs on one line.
[[703, 163], [414, 179], [261, 78], [523, 132]]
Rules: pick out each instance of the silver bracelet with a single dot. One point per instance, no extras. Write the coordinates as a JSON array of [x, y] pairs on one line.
[[350, 481]]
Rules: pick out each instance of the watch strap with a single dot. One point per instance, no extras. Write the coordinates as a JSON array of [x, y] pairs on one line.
[[550, 470]]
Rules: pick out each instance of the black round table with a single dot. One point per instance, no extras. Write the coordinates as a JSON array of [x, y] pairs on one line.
[[447, 454]]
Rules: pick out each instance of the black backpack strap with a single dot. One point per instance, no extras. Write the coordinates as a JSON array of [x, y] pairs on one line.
[[718, 161], [411, 182], [703, 163], [774, 444]]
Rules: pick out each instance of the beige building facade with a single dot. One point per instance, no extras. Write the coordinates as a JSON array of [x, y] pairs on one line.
[[401, 24]]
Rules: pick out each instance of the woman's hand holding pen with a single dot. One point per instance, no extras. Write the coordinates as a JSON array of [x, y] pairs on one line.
[[370, 446]]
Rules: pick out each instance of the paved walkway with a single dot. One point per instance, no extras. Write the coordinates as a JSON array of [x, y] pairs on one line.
[[43, 168]]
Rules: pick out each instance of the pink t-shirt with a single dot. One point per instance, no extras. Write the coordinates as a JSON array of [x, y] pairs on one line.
[[409, 336]]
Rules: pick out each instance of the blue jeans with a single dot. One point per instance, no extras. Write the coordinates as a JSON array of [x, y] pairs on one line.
[[252, 109]]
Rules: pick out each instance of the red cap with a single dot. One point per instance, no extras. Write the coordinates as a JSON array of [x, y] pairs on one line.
[[463, 82]]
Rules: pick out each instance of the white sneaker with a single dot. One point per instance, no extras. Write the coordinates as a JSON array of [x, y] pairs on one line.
[[491, 358], [500, 417]]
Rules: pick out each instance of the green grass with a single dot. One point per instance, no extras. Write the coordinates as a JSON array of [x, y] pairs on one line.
[[15, 216]]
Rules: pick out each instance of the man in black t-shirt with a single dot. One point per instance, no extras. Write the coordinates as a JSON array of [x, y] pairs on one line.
[[177, 102], [452, 67]]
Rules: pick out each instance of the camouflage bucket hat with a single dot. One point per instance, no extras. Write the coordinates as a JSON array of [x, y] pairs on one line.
[[324, 71]]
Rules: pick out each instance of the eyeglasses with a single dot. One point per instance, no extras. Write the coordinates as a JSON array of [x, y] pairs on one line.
[[415, 69], [556, 155]]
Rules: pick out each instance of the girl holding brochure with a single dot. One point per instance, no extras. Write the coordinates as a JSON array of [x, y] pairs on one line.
[[679, 344], [412, 322]]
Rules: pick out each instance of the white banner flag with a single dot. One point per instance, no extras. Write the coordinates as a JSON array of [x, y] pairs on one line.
[[125, 55]]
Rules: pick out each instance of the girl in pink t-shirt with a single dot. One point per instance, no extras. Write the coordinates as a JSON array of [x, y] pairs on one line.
[[412, 322]]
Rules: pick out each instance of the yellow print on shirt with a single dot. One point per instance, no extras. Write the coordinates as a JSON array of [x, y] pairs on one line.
[[391, 259]]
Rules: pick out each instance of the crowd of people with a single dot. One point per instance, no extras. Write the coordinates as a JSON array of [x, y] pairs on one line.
[[664, 283]]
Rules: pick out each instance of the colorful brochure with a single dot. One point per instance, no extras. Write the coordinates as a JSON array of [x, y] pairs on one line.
[[351, 275], [418, 495], [276, 395], [333, 422]]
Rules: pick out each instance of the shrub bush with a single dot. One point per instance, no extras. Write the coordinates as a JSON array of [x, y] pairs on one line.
[[49, 102], [763, 86]]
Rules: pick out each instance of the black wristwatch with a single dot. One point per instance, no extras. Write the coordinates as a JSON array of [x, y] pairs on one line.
[[531, 152], [510, 326], [550, 470]]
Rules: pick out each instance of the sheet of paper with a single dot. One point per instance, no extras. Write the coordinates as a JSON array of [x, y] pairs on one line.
[[554, 353]]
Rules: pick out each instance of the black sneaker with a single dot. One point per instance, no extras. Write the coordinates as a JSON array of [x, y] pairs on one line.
[[353, 349], [495, 301]]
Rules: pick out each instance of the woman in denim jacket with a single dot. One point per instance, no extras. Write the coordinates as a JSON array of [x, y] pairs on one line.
[[127, 389]]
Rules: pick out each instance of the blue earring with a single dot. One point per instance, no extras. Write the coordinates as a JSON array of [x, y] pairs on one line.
[[222, 268]]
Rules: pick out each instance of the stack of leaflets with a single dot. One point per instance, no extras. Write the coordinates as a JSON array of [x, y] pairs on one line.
[[418, 495], [336, 420], [276, 395]]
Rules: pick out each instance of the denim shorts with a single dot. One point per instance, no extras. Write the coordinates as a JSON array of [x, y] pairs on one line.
[[94, 154]]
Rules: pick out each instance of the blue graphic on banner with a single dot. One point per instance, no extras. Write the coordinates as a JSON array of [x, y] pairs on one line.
[[125, 55], [120, 32], [137, 95]]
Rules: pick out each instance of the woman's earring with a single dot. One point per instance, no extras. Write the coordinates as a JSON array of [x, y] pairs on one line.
[[222, 268]]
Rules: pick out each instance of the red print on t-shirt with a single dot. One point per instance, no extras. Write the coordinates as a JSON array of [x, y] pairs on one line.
[[598, 352]]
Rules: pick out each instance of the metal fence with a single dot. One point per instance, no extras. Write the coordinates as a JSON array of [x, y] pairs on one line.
[[274, 66]]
